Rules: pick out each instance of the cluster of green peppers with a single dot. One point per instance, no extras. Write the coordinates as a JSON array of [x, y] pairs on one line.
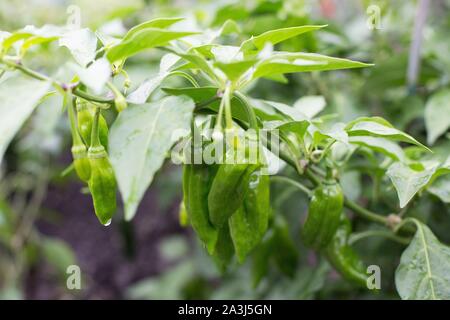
[[343, 258], [91, 163], [228, 206], [326, 230]]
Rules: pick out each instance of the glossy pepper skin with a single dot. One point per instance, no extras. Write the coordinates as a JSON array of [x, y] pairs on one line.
[[324, 216], [343, 258], [196, 182], [81, 162], [228, 190], [249, 223], [102, 184], [79, 150], [224, 249], [85, 119], [183, 215]]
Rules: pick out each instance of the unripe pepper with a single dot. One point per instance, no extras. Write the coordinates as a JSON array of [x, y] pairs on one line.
[[196, 182], [85, 117], [81, 162], [102, 183], [228, 188], [324, 215], [120, 102], [224, 250], [79, 150], [343, 258], [183, 215], [249, 223]]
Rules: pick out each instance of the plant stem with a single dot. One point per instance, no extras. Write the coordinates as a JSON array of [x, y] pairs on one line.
[[205, 103], [363, 212], [39, 76], [292, 182], [253, 122], [90, 97], [378, 233], [185, 75], [95, 139]]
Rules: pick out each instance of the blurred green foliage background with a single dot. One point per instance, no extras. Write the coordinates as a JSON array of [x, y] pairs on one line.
[[46, 223]]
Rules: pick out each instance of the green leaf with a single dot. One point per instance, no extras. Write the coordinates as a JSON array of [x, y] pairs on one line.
[[437, 110], [82, 44], [441, 189], [310, 106], [145, 89], [281, 108], [197, 94], [159, 23], [302, 62], [382, 145], [408, 182], [44, 34], [235, 69], [19, 95], [298, 128], [423, 270], [141, 40], [13, 38], [377, 127], [336, 132], [197, 61], [58, 254], [36, 40], [139, 140], [276, 36], [95, 76]]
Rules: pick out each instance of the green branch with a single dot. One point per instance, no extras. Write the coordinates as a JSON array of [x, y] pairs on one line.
[[39, 76], [292, 182]]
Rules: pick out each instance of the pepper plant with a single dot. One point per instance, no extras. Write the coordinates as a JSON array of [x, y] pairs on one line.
[[227, 204]]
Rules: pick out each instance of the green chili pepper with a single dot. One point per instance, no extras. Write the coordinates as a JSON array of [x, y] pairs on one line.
[[102, 183], [249, 224], [224, 250], [228, 190], [79, 150], [85, 117], [343, 258], [284, 250], [183, 215], [261, 259], [120, 102], [324, 216], [196, 182]]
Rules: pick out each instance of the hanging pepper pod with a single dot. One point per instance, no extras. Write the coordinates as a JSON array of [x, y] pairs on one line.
[[229, 187], [102, 183], [183, 215], [85, 119], [81, 162], [120, 102], [249, 224], [343, 258], [79, 150], [196, 181], [324, 215], [224, 249]]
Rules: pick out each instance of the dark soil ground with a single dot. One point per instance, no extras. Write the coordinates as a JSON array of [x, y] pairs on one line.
[[108, 263]]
